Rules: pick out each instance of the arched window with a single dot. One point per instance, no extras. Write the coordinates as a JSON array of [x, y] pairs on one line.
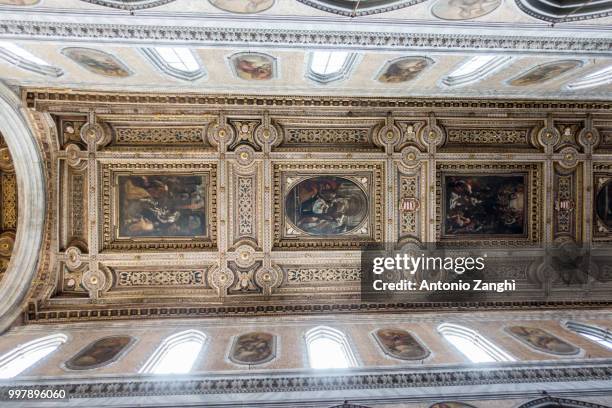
[[329, 66], [599, 336], [472, 345], [475, 69], [26, 60], [597, 78], [178, 62], [329, 348], [176, 354], [17, 360]]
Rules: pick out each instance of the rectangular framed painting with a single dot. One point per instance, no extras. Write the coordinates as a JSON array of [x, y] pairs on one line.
[[146, 207], [486, 203]]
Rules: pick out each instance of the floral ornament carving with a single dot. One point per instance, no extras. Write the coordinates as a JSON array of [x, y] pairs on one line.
[[73, 258], [432, 134], [245, 155], [268, 279], [7, 242], [549, 136], [410, 156], [221, 279], [6, 164], [97, 281], [267, 134], [389, 135], [221, 133], [569, 157], [589, 136], [244, 256], [96, 134], [73, 156]]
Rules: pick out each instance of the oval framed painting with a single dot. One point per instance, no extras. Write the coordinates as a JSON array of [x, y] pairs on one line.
[[400, 344], [100, 353], [542, 340], [243, 6], [326, 205], [544, 73], [403, 69], [603, 204], [253, 348], [463, 9], [253, 66], [98, 62]]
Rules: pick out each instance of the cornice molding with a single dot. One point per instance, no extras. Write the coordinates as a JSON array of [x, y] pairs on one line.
[[301, 38], [42, 99], [356, 379]]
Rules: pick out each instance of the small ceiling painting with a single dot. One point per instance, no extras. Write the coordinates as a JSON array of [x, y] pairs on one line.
[[546, 72], [98, 62], [253, 348], [99, 353], [403, 69], [400, 344], [463, 9], [542, 340], [243, 6], [253, 66], [603, 205]]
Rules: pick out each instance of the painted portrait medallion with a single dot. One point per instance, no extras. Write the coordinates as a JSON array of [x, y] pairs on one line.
[[603, 205], [400, 344], [19, 2], [404, 69], [162, 206], [542, 340], [326, 205], [243, 6], [546, 72], [463, 9], [485, 204], [99, 353], [253, 66], [253, 348], [98, 62], [451, 404]]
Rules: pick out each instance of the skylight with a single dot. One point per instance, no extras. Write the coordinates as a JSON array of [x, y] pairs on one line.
[[329, 348], [328, 62], [475, 69], [178, 62], [17, 360], [178, 58], [597, 78], [176, 354], [26, 60], [596, 334], [472, 345], [329, 66]]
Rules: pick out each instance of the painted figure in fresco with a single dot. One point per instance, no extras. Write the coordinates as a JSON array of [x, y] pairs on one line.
[[404, 70], [99, 353], [97, 62], [485, 205], [253, 348], [243, 6], [543, 340], [326, 205], [545, 73], [400, 344], [463, 9], [254, 66], [604, 204], [162, 206]]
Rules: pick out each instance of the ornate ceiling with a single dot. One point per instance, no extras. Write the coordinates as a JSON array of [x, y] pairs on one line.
[[8, 206], [196, 205]]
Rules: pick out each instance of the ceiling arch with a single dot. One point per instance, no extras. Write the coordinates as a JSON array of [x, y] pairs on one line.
[[566, 10], [355, 8]]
